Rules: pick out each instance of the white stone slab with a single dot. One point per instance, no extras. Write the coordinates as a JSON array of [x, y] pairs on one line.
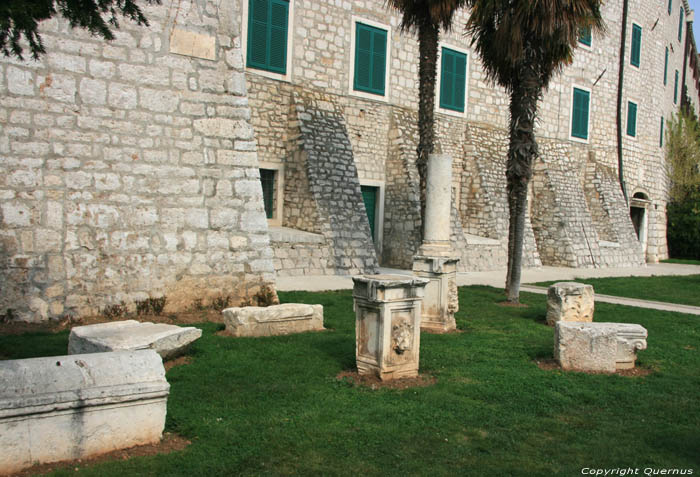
[[71, 407], [604, 347], [167, 340], [273, 320]]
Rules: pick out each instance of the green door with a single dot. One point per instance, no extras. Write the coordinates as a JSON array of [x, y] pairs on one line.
[[369, 196]]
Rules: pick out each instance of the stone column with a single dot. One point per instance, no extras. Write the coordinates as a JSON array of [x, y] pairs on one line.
[[434, 260], [387, 324]]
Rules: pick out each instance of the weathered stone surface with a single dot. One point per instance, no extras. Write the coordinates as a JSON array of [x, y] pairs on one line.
[[167, 340], [71, 407], [604, 347], [441, 300], [570, 301], [387, 324], [273, 320]]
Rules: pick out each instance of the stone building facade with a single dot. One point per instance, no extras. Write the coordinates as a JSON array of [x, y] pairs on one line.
[[580, 215], [129, 169], [146, 167]]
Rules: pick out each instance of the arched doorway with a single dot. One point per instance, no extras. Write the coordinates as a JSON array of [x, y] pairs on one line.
[[639, 209]]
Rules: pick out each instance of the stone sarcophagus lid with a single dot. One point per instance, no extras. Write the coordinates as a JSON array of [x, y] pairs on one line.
[[168, 340], [570, 301], [77, 406], [273, 320], [605, 347], [387, 324]]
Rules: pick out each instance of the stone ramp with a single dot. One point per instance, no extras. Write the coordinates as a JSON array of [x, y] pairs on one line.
[[334, 184]]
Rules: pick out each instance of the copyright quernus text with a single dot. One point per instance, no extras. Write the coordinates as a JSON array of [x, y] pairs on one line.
[[622, 471]]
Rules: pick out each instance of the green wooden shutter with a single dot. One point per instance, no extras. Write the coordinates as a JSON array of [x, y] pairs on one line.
[[267, 35], [378, 61], [257, 33], [675, 89], [585, 37], [680, 25], [666, 67], [267, 180], [579, 114], [661, 133], [370, 59], [670, 6], [453, 77], [279, 12], [369, 197], [636, 45], [631, 119]]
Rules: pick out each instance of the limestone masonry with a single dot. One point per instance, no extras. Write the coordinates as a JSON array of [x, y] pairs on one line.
[[230, 142]]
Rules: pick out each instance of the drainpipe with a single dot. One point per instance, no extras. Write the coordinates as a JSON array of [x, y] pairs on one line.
[[620, 82]]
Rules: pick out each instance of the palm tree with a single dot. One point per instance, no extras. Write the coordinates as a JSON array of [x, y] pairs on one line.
[[427, 17], [522, 44]]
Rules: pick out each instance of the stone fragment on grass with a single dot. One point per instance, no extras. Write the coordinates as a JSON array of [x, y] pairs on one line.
[[77, 406], [604, 347], [570, 301], [168, 340], [273, 320]]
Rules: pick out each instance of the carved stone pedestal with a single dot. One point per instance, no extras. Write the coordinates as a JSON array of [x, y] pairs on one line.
[[387, 324], [440, 302]]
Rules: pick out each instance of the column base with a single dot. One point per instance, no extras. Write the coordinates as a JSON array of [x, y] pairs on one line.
[[440, 302]]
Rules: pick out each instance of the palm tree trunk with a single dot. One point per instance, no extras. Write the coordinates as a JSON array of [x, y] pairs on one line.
[[428, 37], [522, 151]]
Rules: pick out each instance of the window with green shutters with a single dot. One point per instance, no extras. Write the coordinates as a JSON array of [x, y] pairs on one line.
[[636, 45], [453, 80], [670, 6], [661, 133], [267, 35], [666, 67], [579, 113], [680, 25], [631, 119], [675, 88], [585, 37], [370, 59]]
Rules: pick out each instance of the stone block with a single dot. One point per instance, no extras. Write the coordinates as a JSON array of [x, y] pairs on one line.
[[570, 301], [168, 340], [604, 347], [74, 407], [387, 324], [273, 320]]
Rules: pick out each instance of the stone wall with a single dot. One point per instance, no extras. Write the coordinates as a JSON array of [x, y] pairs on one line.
[[130, 168]]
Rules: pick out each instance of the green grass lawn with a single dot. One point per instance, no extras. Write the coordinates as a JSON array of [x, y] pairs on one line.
[[273, 406], [683, 261], [684, 290]]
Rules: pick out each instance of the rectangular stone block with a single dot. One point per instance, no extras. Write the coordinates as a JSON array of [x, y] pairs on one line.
[[570, 301], [74, 407], [273, 320], [604, 347]]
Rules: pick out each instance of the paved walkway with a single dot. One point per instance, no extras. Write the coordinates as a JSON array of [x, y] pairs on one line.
[[531, 275]]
